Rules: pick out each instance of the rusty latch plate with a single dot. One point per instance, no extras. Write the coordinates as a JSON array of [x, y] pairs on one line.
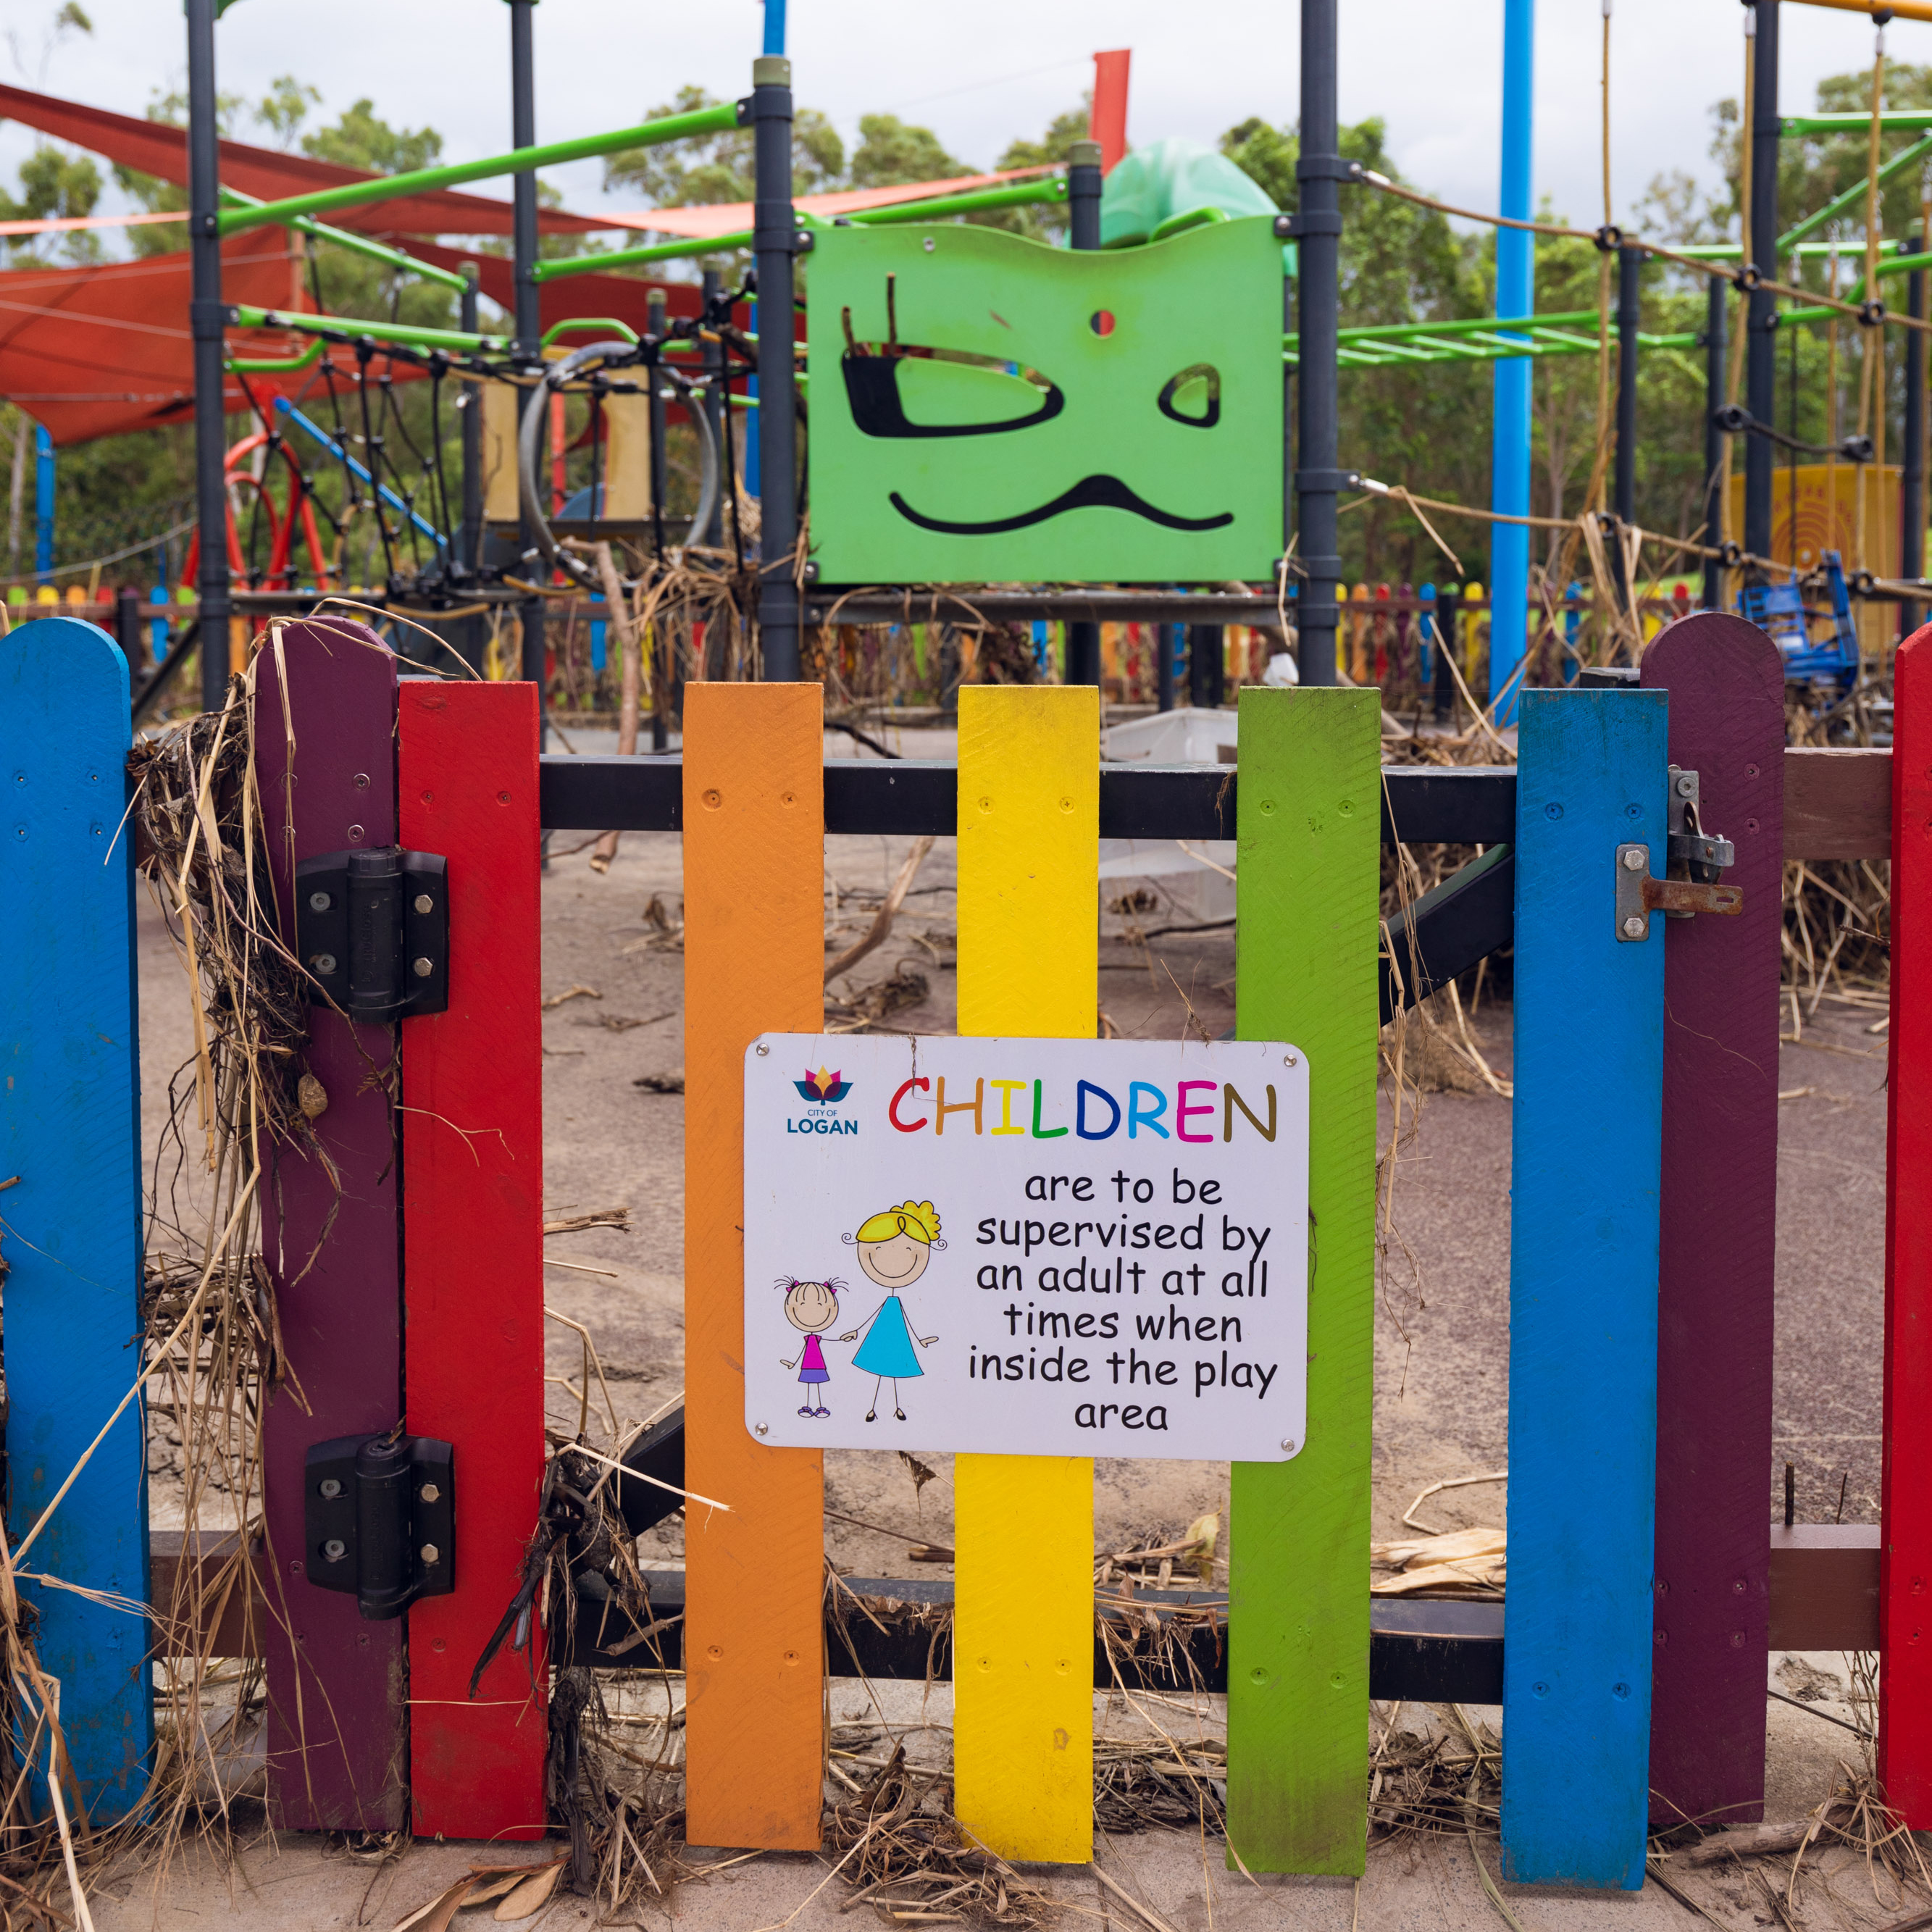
[[1687, 895]]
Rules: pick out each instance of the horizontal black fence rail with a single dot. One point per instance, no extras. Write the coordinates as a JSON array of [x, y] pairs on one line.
[[1420, 804], [899, 1628]]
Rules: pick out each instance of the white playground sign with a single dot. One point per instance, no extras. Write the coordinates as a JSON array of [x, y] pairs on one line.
[[1042, 1247]]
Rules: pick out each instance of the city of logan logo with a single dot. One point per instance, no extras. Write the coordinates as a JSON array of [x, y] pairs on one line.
[[822, 1088]]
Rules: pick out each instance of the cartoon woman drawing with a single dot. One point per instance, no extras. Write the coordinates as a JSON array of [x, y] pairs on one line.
[[812, 1306], [894, 1248]]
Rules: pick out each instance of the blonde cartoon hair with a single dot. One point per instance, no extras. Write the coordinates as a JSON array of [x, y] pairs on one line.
[[919, 1219]]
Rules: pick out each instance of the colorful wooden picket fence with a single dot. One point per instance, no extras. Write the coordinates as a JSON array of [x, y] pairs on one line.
[[1640, 1313]]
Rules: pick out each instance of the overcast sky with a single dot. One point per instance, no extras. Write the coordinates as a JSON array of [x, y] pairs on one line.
[[980, 74]]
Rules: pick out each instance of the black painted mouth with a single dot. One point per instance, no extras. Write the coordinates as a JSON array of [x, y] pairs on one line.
[[1091, 493]]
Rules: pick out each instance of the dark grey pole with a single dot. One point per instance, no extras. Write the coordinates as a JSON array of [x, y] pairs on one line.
[[128, 632], [1444, 694], [207, 315], [1318, 229], [713, 534], [655, 322], [1163, 666], [1761, 245], [1630, 267], [1911, 494], [470, 555], [1717, 326], [774, 238], [528, 344], [1083, 217], [1206, 686], [1083, 194]]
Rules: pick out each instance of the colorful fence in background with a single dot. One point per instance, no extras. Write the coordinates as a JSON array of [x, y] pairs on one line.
[[1640, 1328]]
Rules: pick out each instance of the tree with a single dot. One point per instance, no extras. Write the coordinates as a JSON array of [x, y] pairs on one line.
[[285, 106], [1047, 222], [55, 184], [362, 139], [890, 152], [706, 168]]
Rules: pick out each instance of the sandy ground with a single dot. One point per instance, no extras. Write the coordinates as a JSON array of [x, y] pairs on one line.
[[1412, 1884], [1441, 1355]]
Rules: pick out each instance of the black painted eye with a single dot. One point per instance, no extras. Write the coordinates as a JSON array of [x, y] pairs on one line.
[[1193, 397], [899, 388], [914, 395]]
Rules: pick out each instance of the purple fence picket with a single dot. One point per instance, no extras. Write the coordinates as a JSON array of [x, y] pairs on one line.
[[337, 1711], [1718, 1234]]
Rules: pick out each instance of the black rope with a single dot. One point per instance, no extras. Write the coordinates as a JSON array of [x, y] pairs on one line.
[[373, 458], [392, 414], [445, 522], [1735, 420]]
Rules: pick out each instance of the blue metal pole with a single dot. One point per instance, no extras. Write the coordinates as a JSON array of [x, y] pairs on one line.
[[1515, 294], [774, 29], [43, 504]]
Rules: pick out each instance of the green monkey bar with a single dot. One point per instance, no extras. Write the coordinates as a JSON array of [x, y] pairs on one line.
[[519, 160], [973, 202]]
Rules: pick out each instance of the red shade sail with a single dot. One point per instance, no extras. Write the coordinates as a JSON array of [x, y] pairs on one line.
[[98, 351], [156, 148]]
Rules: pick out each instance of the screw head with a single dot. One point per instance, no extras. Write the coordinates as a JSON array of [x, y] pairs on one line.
[[930, 244], [763, 1428], [335, 1549], [1633, 860], [324, 963], [430, 1553], [762, 1052], [1633, 927], [319, 902], [330, 1488], [423, 903], [1287, 1445], [430, 1493], [1686, 784], [423, 968]]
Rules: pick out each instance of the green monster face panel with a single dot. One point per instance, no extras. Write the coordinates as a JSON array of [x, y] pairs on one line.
[[988, 409]]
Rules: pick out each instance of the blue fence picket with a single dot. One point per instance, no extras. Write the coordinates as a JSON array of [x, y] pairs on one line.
[[1587, 1124], [71, 1216]]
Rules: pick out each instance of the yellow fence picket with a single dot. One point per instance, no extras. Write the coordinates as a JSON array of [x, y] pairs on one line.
[[1029, 966]]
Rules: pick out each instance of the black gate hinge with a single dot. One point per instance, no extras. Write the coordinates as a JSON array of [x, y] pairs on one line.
[[373, 928], [379, 1518]]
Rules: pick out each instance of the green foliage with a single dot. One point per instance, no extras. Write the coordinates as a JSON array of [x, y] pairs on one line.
[[718, 167], [55, 184], [362, 139], [1048, 222], [285, 106], [890, 152]]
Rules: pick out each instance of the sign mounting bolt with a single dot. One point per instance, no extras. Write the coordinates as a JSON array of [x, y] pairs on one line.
[[1632, 928], [1633, 859]]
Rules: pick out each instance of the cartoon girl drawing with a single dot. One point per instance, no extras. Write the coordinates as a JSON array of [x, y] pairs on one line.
[[811, 1306], [894, 1248]]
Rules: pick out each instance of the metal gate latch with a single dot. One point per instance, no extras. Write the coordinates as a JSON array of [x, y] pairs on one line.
[[1693, 859], [379, 1518], [372, 927]]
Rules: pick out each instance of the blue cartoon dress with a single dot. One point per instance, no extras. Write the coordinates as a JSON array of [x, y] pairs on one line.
[[887, 1349]]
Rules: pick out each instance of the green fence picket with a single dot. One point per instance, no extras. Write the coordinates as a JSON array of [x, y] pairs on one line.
[[1308, 894]]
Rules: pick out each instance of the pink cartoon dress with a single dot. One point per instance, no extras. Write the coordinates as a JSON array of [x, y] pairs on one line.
[[813, 1373]]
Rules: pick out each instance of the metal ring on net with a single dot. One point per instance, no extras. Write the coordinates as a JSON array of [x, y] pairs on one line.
[[529, 433]]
